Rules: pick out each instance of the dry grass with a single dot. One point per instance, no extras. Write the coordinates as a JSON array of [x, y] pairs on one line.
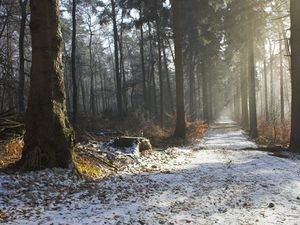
[[133, 126], [90, 168], [197, 129], [274, 133], [11, 152]]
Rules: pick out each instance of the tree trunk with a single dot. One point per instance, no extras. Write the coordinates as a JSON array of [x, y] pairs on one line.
[[23, 5], [170, 95], [180, 130], [210, 97], [49, 135], [117, 69], [122, 66], [191, 85], [252, 90], [281, 86], [267, 116], [295, 69], [161, 84], [272, 95], [143, 63], [199, 89], [73, 66], [152, 82], [91, 67], [205, 91], [244, 90], [150, 69]]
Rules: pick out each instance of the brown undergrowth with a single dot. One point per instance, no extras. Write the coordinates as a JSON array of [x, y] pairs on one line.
[[132, 126], [274, 133], [11, 151]]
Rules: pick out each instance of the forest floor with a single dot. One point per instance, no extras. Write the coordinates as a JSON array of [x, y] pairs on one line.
[[214, 181]]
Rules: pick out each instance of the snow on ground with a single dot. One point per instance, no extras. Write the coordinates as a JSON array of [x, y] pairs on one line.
[[178, 186], [225, 134]]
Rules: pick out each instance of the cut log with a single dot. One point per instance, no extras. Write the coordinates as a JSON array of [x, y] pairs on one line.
[[142, 143]]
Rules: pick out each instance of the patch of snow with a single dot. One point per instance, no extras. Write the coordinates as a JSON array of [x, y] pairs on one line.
[[231, 139], [224, 120]]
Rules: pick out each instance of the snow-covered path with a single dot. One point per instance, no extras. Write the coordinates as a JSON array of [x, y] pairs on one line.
[[217, 185]]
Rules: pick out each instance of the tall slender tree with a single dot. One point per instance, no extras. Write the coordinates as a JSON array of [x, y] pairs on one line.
[[252, 86], [23, 6], [282, 116], [143, 59], [117, 64], [180, 130], [244, 90], [73, 66], [295, 76], [160, 75]]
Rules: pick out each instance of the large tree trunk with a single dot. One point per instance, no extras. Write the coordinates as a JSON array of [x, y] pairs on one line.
[[295, 66], [49, 135], [73, 66], [23, 5], [180, 130]]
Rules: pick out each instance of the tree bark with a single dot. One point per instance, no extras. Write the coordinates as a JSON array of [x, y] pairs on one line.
[[73, 66], [244, 90], [205, 91], [295, 69], [117, 69], [272, 105], [21, 97], [267, 116], [252, 90], [49, 135], [92, 75], [180, 130], [122, 66], [170, 95], [161, 84], [143, 62], [281, 85], [191, 84]]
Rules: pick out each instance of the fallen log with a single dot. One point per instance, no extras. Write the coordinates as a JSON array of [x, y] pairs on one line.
[[131, 145]]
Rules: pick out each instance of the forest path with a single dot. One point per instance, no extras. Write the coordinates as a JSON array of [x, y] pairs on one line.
[[226, 134], [217, 182]]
